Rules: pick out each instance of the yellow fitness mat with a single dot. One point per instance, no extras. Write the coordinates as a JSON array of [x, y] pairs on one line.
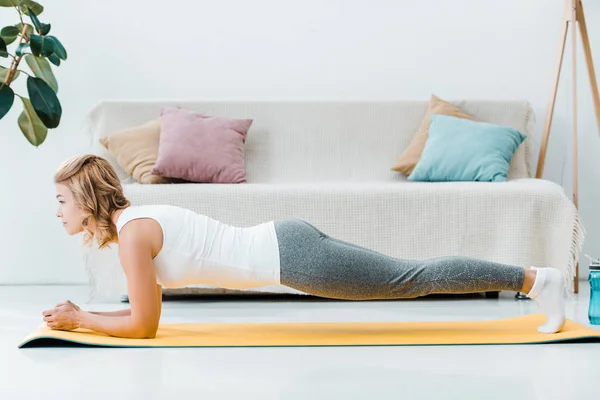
[[519, 330]]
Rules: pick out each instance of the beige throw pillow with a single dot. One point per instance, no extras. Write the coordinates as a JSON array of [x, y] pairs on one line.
[[136, 149], [406, 162]]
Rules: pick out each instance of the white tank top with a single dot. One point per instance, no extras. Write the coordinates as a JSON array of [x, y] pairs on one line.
[[200, 250]]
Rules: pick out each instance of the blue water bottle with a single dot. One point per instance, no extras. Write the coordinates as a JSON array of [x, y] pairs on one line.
[[594, 279]]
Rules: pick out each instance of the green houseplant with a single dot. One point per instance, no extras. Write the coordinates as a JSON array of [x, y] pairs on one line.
[[33, 44]]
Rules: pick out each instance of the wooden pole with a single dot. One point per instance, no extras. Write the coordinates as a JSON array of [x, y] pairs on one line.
[[551, 103], [585, 41], [574, 6]]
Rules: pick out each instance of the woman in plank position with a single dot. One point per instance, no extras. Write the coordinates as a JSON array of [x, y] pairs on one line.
[[163, 245]]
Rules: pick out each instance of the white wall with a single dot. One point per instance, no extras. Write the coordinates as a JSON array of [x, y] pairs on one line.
[[268, 49]]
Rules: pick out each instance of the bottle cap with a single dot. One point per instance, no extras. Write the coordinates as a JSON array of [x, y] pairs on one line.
[[595, 263]]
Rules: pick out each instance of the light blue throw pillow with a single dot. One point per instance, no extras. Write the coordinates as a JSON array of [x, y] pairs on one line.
[[458, 149]]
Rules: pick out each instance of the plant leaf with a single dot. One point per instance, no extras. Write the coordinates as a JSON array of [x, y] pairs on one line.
[[29, 29], [35, 20], [22, 48], [7, 3], [42, 45], [9, 31], [7, 98], [4, 72], [42, 69], [32, 127], [36, 42], [53, 58], [59, 49], [3, 50], [36, 7], [44, 101], [9, 34], [45, 29]]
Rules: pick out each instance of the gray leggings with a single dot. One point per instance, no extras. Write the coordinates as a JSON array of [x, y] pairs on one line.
[[315, 263]]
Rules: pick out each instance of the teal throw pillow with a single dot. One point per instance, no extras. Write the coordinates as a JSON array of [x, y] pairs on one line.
[[459, 149]]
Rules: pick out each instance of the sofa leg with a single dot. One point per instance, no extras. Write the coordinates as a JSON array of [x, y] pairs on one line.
[[521, 296], [492, 295]]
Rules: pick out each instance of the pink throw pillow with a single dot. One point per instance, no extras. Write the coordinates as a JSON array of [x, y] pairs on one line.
[[201, 148]]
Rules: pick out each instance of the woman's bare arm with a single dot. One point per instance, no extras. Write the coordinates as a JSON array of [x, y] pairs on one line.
[[135, 253], [118, 313], [127, 311]]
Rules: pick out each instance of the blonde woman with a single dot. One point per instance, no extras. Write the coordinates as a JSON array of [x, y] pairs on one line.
[[162, 245]]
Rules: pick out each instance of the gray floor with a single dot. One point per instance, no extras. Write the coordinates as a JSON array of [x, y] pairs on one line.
[[553, 371]]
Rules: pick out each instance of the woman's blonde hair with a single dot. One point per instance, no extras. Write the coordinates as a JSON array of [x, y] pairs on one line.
[[97, 192]]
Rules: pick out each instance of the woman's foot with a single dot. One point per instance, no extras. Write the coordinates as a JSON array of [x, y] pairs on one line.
[[548, 292]]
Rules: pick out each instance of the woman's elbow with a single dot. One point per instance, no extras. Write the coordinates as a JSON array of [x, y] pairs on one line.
[[149, 335], [144, 332], [143, 327]]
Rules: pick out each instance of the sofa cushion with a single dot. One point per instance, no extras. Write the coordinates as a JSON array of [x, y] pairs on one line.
[[459, 149], [406, 162], [201, 148], [135, 150]]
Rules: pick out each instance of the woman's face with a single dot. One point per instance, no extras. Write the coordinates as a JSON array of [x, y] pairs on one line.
[[68, 212]]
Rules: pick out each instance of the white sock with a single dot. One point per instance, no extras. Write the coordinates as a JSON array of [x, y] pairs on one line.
[[548, 292]]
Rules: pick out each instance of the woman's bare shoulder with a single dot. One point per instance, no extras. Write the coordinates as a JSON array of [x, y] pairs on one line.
[[142, 234]]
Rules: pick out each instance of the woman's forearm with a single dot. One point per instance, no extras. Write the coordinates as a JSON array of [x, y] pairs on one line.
[[118, 313], [120, 326]]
